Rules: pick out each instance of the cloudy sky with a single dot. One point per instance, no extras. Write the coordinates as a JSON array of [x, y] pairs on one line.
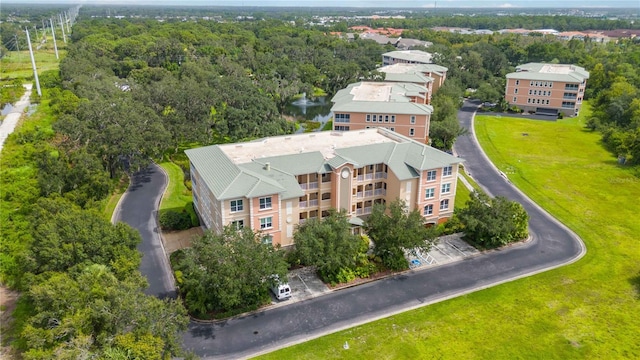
[[364, 3]]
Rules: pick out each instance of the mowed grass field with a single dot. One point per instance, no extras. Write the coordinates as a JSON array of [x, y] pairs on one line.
[[586, 310], [18, 64]]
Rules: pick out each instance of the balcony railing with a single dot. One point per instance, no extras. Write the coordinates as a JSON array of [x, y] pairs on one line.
[[378, 192], [381, 175], [302, 204], [364, 211], [313, 185], [368, 176], [313, 202], [368, 193]]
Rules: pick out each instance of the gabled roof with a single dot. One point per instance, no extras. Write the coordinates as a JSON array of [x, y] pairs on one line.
[[411, 55], [256, 175], [550, 72], [381, 97]]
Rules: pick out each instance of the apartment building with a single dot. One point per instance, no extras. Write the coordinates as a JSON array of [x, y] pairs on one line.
[[547, 89], [431, 76], [400, 107], [406, 57], [274, 184]]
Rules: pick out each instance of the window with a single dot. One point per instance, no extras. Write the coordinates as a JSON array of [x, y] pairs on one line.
[[431, 193], [428, 210], [265, 203], [267, 240], [412, 132], [368, 118], [326, 178], [547, 102], [392, 129], [413, 119], [393, 118], [447, 170], [236, 205], [446, 188], [238, 224], [386, 118], [444, 204], [266, 223], [431, 175], [530, 83], [326, 196], [530, 91], [529, 101], [342, 128], [515, 91], [342, 118], [517, 82], [515, 99]]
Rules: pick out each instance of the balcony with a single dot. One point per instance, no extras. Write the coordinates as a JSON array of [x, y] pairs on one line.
[[364, 211], [368, 193], [380, 192], [310, 203], [309, 186], [381, 175]]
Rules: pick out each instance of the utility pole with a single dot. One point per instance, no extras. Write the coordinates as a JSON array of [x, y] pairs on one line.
[[67, 21], [53, 34], [64, 37], [33, 64]]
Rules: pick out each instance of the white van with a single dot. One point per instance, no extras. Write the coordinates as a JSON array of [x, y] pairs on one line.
[[282, 291]]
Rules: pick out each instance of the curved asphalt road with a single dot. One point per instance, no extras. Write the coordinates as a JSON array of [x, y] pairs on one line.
[[138, 208], [552, 245]]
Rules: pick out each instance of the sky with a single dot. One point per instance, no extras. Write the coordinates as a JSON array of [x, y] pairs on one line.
[[363, 3]]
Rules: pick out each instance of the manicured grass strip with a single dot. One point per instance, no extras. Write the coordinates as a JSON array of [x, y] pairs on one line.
[[113, 200], [462, 195], [177, 196], [585, 310]]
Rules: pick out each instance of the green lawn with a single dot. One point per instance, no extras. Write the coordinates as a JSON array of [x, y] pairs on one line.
[[18, 64], [590, 309], [177, 196]]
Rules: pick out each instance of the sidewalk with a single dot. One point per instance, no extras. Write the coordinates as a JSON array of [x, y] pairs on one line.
[[11, 120]]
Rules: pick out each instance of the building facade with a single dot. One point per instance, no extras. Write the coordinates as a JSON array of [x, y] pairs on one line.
[[431, 76], [274, 184], [547, 89], [400, 107]]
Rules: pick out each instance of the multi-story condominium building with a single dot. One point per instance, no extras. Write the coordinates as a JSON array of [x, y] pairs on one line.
[[406, 57], [431, 76], [547, 88], [400, 107], [273, 184]]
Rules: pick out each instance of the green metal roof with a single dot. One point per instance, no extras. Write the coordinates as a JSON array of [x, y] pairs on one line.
[[550, 72], [404, 156], [408, 77], [397, 100]]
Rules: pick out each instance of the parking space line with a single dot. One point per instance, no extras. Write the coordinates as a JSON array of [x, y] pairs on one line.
[[455, 247]]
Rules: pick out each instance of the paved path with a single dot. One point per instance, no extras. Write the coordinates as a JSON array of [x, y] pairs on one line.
[[552, 245], [138, 208], [11, 120]]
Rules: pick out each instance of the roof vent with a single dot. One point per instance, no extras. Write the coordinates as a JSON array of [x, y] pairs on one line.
[[267, 166]]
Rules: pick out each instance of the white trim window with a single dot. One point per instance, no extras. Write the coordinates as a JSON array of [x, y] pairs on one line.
[[237, 224], [428, 209], [447, 171], [444, 204], [236, 205], [265, 203], [412, 119], [266, 223], [412, 132], [446, 188], [430, 193], [431, 175]]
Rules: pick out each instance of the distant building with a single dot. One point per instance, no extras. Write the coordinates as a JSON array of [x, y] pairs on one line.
[[547, 88], [399, 107], [431, 76], [406, 57], [274, 184]]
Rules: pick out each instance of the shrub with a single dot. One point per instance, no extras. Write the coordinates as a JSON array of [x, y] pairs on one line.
[[175, 220]]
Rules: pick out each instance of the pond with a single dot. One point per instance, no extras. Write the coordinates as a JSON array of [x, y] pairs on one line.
[[313, 109]]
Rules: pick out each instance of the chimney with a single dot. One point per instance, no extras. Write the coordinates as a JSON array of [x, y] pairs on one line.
[[267, 166]]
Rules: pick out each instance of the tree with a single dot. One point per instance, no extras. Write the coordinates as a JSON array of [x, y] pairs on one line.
[[327, 244], [493, 222], [229, 271], [66, 237], [92, 314], [396, 229]]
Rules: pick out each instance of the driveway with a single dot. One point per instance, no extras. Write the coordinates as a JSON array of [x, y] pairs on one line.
[[552, 245], [138, 208]]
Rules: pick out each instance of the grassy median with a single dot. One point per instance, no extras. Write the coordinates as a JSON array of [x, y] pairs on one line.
[[585, 310]]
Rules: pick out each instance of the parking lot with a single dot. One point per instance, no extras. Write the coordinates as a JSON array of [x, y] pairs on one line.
[[305, 283]]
